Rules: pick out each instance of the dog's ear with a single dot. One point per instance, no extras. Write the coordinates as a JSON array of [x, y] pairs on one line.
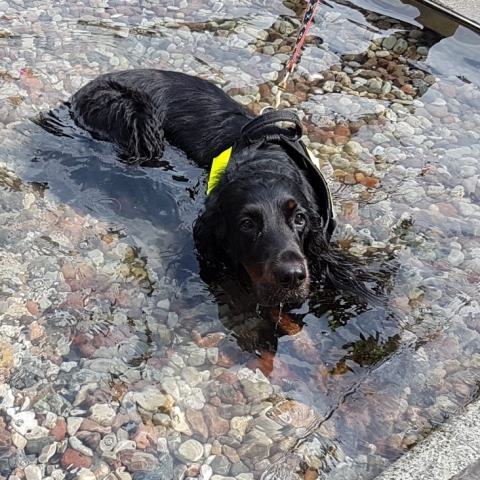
[[210, 235], [337, 268], [341, 270], [316, 243]]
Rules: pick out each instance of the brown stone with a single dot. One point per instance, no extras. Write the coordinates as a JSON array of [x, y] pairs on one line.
[[228, 377], [68, 271], [193, 470], [32, 307], [320, 136], [350, 211], [356, 125], [216, 448], [215, 401], [196, 422], [209, 340], [36, 331], [59, 430], [447, 209], [264, 91], [301, 96], [215, 423], [145, 436], [359, 177], [349, 179], [370, 182], [342, 130], [120, 420], [231, 454], [33, 83], [311, 475], [340, 140], [73, 459], [75, 300], [5, 440], [301, 87], [91, 426]]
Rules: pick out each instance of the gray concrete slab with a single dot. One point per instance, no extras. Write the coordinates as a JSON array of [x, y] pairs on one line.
[[452, 452]]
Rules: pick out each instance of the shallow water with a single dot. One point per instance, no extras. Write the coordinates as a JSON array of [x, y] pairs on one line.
[[103, 314]]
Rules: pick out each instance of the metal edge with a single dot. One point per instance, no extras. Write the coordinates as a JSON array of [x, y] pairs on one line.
[[452, 14]]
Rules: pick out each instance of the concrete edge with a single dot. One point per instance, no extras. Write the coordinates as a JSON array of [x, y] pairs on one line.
[[446, 453], [443, 7]]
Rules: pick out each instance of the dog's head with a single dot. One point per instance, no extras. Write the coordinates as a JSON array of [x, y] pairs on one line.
[[268, 225]]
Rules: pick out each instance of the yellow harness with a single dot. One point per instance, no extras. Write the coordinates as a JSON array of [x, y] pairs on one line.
[[219, 165]]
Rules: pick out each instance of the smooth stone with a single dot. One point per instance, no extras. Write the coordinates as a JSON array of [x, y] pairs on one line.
[[33, 472], [389, 42], [458, 152], [455, 257], [404, 129], [220, 464], [400, 46], [379, 138], [190, 451], [353, 148]]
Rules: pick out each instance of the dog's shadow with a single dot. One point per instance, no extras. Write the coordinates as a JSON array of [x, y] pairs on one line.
[[86, 174]]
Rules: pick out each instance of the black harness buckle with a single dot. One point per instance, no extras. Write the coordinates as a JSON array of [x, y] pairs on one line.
[[265, 127]]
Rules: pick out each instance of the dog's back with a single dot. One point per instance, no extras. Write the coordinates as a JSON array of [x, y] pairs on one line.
[[137, 109]]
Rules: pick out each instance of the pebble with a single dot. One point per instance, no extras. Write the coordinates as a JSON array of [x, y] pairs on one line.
[[404, 129], [353, 148], [389, 42], [190, 451], [33, 472], [73, 424], [102, 414], [220, 464], [77, 445], [400, 46], [206, 472], [379, 138], [455, 257], [150, 399]]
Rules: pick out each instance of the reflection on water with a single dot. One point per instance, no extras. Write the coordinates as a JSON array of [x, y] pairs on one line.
[[107, 327]]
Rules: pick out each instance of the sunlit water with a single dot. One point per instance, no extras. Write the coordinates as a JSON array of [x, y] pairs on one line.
[[356, 385]]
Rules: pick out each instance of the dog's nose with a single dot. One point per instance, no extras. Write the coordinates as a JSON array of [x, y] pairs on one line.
[[291, 274]]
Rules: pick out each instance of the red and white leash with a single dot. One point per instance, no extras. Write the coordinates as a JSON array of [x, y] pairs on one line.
[[301, 36]]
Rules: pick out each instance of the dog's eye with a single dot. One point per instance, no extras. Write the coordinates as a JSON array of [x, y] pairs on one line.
[[246, 225], [300, 219]]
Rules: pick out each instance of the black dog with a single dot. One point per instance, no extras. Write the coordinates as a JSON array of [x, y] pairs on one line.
[[268, 214]]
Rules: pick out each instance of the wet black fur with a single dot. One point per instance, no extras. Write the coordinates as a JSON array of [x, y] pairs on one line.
[[137, 109]]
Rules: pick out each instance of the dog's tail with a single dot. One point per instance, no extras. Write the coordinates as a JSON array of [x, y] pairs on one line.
[[140, 123], [129, 117]]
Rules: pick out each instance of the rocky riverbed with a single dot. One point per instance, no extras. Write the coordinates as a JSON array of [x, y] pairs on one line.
[[115, 366]]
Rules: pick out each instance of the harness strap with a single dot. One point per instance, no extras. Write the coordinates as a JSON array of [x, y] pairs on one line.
[[264, 127]]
